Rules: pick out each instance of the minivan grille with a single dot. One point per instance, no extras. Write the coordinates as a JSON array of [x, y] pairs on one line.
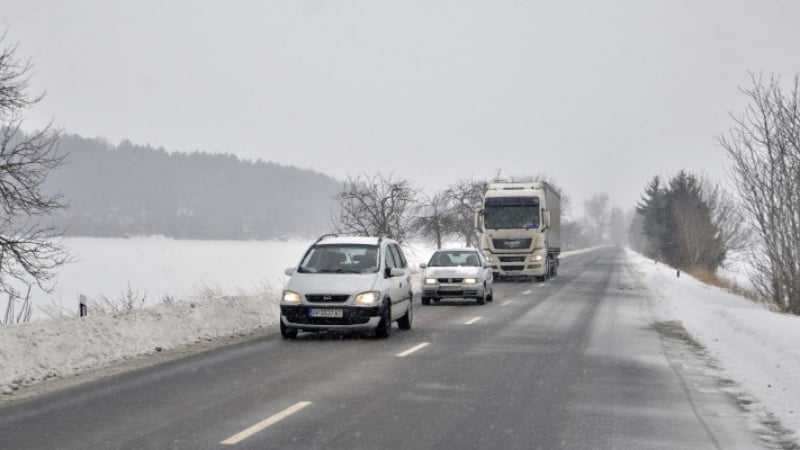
[[318, 298]]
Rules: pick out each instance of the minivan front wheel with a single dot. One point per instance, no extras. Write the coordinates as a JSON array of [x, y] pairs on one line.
[[404, 323], [384, 328], [288, 333]]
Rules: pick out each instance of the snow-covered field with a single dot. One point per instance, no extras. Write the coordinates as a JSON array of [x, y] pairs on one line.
[[757, 348], [158, 267]]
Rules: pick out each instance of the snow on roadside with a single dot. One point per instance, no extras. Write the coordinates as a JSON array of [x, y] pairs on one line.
[[757, 348], [37, 351]]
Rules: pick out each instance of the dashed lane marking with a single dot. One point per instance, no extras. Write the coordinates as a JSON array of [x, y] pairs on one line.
[[260, 426], [506, 303], [413, 349], [473, 320]]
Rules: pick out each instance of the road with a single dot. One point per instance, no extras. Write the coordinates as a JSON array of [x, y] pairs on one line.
[[575, 363]]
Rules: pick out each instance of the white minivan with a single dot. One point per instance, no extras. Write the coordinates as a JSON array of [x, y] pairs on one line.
[[348, 283]]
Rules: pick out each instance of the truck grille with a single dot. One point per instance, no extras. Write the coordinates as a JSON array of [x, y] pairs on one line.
[[511, 244], [512, 259], [318, 298], [512, 267]]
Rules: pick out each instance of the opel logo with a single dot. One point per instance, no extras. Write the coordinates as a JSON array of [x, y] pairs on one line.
[[326, 298], [449, 280]]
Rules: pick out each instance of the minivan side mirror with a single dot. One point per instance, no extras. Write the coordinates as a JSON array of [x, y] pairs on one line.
[[423, 265], [289, 271]]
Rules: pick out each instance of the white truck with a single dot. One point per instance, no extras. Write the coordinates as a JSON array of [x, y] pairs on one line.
[[520, 229]]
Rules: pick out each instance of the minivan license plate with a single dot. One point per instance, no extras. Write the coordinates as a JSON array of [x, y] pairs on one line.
[[325, 313]]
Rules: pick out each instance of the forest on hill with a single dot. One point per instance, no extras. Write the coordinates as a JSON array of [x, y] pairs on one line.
[[128, 189]]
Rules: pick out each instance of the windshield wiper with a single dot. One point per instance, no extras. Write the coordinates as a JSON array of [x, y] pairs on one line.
[[339, 270]]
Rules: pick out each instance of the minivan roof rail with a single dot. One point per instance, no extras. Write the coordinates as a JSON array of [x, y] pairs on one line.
[[326, 236]]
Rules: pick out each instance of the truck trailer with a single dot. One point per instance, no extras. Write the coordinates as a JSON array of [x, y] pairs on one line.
[[520, 229]]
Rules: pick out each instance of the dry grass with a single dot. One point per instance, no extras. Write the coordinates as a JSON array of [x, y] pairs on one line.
[[711, 278]]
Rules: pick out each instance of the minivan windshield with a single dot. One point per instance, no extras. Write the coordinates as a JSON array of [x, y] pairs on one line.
[[340, 258]]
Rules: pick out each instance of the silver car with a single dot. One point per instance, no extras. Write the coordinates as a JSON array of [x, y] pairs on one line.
[[457, 273]]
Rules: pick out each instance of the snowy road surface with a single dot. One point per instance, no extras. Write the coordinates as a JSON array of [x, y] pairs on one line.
[[578, 362]]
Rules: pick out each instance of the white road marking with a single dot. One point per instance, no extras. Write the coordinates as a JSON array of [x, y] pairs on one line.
[[506, 303], [413, 349], [473, 320], [239, 437], [527, 292]]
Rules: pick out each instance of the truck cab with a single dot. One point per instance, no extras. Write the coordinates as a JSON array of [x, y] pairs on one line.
[[520, 229]]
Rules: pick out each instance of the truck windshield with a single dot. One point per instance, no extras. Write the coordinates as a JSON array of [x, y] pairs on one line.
[[511, 212]]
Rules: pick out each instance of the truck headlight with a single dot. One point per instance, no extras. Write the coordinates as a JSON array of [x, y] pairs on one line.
[[430, 281], [367, 298], [538, 258], [470, 280], [290, 297], [488, 258]]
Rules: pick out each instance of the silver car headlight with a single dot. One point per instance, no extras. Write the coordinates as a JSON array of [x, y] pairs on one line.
[[470, 280], [431, 281]]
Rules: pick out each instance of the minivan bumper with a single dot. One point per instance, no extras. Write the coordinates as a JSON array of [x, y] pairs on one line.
[[353, 318]]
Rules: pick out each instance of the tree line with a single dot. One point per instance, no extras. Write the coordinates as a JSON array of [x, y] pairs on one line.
[[691, 223], [128, 189], [380, 204], [687, 222]]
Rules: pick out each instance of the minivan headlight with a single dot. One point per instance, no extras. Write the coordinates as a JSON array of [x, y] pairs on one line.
[[290, 297], [367, 298], [430, 280], [470, 281]]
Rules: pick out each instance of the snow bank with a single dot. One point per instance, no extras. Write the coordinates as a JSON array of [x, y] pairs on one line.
[[757, 348], [37, 351]]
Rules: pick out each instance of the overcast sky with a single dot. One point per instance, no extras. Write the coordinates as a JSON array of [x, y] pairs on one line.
[[601, 96]]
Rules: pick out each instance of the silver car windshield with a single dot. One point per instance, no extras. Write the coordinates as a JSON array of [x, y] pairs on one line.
[[340, 258], [454, 258]]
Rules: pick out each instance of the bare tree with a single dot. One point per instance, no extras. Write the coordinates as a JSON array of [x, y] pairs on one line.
[[466, 199], [618, 226], [764, 145], [373, 206], [597, 217], [30, 248], [434, 218]]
